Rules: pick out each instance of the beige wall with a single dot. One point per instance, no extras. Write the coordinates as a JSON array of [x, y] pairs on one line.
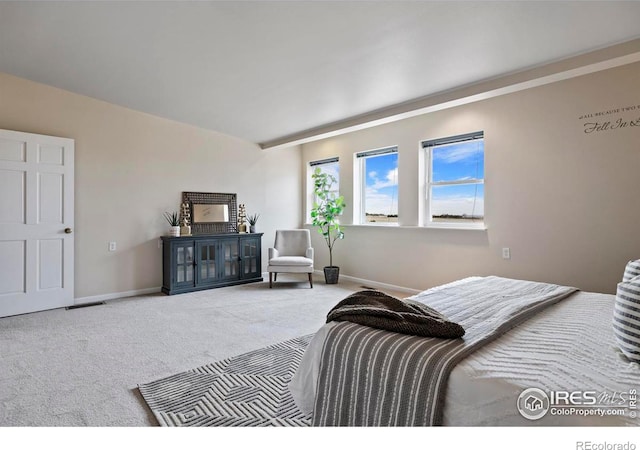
[[131, 167], [564, 201]]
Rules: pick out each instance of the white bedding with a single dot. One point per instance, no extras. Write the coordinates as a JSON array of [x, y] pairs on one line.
[[568, 346]]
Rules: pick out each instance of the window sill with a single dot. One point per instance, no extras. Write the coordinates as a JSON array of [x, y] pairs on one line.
[[375, 224], [478, 227], [457, 226]]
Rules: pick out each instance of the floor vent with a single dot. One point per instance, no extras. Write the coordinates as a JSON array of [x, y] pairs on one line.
[[84, 305]]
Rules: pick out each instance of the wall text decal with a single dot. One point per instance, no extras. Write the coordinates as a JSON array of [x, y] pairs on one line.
[[599, 122]]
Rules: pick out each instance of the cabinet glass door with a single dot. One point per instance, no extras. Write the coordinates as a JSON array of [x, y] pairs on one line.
[[230, 258], [184, 275], [250, 258], [207, 252]]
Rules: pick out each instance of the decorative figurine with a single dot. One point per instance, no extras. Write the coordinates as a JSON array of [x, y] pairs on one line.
[[242, 215], [185, 228]]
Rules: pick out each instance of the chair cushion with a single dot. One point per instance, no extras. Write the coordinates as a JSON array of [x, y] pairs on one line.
[[292, 242], [290, 261]]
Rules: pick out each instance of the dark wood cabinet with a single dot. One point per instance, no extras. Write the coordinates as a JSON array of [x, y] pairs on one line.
[[192, 263]]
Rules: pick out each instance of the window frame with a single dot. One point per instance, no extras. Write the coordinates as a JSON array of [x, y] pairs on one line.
[[360, 184], [428, 146]]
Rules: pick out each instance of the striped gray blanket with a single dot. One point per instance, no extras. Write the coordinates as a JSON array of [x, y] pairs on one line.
[[371, 377]]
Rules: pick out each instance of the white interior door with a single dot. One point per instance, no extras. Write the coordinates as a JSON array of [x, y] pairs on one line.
[[36, 222]]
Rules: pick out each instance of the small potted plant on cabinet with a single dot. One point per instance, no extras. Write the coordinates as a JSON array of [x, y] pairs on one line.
[[325, 216], [252, 219], [174, 222]]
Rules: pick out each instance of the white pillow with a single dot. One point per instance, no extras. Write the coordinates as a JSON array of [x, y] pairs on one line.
[[632, 270], [626, 318]]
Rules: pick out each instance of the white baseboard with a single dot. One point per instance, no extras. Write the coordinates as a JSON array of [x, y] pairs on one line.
[[375, 284], [114, 295], [265, 275]]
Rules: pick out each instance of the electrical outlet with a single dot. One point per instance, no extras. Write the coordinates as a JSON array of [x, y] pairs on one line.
[[112, 246], [506, 253]]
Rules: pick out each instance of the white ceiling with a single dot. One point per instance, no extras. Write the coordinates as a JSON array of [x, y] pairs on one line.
[[264, 70]]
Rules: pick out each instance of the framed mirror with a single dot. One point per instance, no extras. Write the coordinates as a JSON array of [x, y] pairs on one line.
[[209, 213], [212, 212]]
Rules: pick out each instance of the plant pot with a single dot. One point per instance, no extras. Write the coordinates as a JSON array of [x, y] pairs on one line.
[[174, 231], [252, 228], [331, 274]]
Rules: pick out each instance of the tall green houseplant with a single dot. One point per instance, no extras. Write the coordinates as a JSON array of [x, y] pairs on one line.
[[327, 208]]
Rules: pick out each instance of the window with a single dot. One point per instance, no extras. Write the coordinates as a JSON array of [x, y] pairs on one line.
[[455, 184], [329, 166], [377, 185]]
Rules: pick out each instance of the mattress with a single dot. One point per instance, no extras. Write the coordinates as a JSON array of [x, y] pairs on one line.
[[567, 348]]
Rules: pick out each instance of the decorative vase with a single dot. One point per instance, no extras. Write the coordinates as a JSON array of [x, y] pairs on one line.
[[331, 274], [174, 231], [185, 230], [252, 228]]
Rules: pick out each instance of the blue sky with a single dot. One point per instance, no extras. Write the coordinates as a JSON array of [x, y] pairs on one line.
[[458, 161], [382, 184], [462, 161], [452, 162]]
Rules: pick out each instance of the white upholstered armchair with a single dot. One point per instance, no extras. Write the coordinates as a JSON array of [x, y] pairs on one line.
[[291, 253]]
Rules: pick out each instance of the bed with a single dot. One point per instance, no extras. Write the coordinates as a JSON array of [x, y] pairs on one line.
[[565, 348]]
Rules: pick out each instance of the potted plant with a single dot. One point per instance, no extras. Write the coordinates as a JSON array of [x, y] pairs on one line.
[[325, 213], [174, 222], [252, 219]]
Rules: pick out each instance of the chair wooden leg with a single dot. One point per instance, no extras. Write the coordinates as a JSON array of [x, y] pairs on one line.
[[275, 276], [270, 281], [310, 280]]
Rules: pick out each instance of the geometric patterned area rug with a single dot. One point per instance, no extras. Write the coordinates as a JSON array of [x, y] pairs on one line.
[[249, 390]]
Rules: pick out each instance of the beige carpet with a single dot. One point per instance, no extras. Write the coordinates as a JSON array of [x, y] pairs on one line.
[[81, 367]]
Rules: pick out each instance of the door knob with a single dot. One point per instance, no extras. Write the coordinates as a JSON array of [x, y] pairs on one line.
[[68, 230]]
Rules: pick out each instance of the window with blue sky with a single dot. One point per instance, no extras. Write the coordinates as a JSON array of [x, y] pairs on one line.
[[379, 177], [456, 179]]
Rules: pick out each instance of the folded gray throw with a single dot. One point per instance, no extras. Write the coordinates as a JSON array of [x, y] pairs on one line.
[[378, 310]]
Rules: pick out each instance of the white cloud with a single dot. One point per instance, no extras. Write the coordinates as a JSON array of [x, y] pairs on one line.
[[389, 180], [455, 153], [379, 203], [392, 176]]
